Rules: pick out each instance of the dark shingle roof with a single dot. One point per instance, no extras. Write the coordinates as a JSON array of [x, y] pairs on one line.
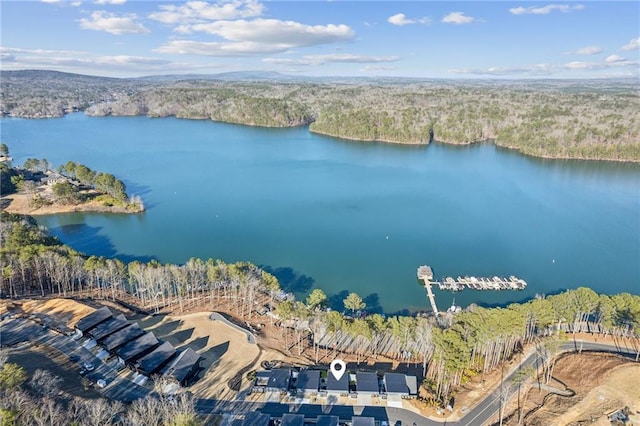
[[138, 347], [327, 421], [279, 378], [108, 327], [341, 385], [182, 365], [119, 338], [308, 380], [93, 319], [289, 419], [363, 421], [367, 382], [396, 383], [154, 360]]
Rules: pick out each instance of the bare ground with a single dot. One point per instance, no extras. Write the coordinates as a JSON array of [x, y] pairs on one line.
[[602, 383], [21, 204]]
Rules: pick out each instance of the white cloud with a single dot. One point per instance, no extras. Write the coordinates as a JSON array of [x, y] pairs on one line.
[[579, 65], [609, 67], [202, 11], [538, 69], [589, 50], [370, 68], [545, 10], [612, 61], [331, 58], [212, 48], [89, 63], [458, 18], [110, 1], [112, 23], [401, 19], [62, 3], [273, 31], [632, 45], [614, 58]]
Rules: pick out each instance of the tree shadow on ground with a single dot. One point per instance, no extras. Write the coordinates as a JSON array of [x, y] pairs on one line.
[[290, 280]]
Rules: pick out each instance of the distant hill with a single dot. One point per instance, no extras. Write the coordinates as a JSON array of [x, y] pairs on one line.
[[586, 119]]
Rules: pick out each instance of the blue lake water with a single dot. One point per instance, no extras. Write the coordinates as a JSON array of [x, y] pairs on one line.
[[348, 216]]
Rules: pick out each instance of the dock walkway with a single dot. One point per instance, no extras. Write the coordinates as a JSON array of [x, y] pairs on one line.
[[425, 273]]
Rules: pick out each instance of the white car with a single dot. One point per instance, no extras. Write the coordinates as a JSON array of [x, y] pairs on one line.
[[88, 366], [101, 383]]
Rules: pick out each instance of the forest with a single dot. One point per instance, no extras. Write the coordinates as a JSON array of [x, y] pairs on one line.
[[590, 119], [37, 400], [450, 348]]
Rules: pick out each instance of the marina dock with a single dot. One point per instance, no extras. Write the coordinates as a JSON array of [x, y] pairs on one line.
[[425, 273]]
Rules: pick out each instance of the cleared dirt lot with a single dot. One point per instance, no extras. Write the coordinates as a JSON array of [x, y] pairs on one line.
[[225, 350], [602, 383]]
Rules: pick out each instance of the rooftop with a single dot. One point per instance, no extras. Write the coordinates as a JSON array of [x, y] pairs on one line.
[[289, 419], [327, 421], [109, 326], [152, 361], [93, 319], [367, 382], [138, 347], [279, 378], [183, 365], [396, 383], [308, 380], [341, 385], [122, 336], [363, 421]]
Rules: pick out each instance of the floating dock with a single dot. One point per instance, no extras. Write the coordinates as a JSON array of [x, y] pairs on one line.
[[425, 273]]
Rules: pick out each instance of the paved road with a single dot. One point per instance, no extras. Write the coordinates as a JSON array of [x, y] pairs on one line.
[[479, 415], [215, 316], [21, 330]]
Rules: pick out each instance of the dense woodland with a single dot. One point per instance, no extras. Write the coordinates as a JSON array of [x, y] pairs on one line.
[[38, 400], [592, 119], [451, 349]]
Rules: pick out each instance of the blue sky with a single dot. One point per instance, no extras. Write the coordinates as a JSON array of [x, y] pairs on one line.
[[473, 39]]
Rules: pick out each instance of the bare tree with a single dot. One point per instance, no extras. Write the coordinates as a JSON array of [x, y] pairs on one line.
[[45, 383]]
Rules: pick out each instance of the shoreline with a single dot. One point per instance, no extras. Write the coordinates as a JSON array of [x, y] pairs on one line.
[[19, 204], [352, 139], [492, 141]]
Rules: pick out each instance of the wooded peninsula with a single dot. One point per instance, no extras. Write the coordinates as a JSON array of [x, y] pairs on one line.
[[36, 188], [573, 119]]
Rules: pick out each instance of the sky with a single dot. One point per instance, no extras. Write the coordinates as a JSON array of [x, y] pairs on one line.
[[424, 39]]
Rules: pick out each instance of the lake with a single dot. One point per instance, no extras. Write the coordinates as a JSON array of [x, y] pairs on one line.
[[348, 216]]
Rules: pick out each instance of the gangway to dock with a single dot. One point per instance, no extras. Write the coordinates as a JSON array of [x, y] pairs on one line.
[[425, 273]]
